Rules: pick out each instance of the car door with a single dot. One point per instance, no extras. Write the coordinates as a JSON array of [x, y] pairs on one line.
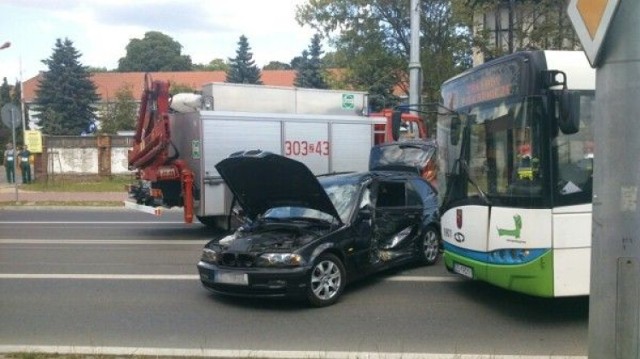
[[396, 219]]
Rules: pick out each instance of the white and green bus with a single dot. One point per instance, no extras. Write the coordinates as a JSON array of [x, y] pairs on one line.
[[516, 165]]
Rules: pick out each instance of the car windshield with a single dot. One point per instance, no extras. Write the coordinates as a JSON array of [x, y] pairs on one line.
[[342, 192]]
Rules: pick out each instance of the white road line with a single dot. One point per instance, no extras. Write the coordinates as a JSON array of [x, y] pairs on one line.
[[98, 276], [102, 241], [256, 354], [100, 222]]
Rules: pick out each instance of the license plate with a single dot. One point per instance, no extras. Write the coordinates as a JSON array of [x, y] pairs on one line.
[[463, 270], [232, 278]]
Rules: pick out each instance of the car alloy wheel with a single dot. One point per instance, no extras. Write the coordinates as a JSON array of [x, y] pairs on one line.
[[326, 281], [430, 249]]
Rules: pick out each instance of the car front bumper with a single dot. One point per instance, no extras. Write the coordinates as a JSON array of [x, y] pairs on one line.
[[258, 282]]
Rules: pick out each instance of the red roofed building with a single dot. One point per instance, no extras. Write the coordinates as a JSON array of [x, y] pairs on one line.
[[108, 83]]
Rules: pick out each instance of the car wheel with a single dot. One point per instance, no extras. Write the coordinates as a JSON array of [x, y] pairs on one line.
[[326, 281], [430, 246]]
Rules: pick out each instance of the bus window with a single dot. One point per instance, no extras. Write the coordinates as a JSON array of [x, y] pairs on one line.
[[504, 149], [574, 157]]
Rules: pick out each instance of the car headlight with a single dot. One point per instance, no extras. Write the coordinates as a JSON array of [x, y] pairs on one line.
[[209, 255], [279, 260]]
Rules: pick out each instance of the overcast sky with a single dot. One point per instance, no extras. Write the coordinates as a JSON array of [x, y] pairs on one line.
[[101, 29]]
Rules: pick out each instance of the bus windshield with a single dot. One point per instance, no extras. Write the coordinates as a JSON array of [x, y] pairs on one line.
[[504, 151], [507, 159]]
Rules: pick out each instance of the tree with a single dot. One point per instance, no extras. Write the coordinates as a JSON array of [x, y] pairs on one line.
[[121, 114], [5, 97], [155, 52], [276, 65], [310, 73], [373, 43], [66, 97], [93, 69], [506, 26], [242, 68], [214, 65], [16, 99], [176, 88]]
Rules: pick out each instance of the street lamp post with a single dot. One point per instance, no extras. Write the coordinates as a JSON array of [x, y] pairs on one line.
[[5, 45]]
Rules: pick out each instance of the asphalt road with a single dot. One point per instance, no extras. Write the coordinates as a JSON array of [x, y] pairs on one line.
[[112, 279]]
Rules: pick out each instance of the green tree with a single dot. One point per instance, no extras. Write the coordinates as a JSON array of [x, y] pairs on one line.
[[5, 97], [66, 97], [93, 69], [525, 24], [242, 68], [310, 73], [120, 115], [5, 92], [155, 52], [176, 88], [214, 65], [374, 42], [16, 99], [277, 65]]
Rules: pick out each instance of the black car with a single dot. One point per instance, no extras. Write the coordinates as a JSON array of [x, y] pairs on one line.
[[308, 236]]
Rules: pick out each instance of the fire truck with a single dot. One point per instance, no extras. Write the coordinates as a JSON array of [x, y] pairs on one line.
[[180, 138]]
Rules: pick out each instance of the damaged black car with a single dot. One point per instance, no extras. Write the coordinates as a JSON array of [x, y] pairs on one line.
[[307, 236]]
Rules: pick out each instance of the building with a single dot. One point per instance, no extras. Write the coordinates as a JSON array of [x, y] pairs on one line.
[[108, 83]]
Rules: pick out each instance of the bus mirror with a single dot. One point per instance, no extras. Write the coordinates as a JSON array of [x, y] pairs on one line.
[[456, 126], [552, 78], [396, 121], [569, 113]]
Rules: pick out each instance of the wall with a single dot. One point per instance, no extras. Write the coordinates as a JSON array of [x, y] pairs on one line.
[[90, 155]]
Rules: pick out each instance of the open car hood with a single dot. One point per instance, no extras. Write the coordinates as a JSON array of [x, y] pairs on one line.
[[410, 155], [263, 180]]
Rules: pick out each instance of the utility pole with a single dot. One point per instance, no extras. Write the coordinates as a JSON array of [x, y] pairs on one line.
[[415, 69], [609, 32]]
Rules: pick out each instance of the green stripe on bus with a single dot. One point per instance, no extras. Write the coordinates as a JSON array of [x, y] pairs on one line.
[[534, 278]]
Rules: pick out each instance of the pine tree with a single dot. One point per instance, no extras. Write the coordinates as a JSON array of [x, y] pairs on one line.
[[5, 92], [5, 97], [16, 99], [242, 68], [66, 97], [310, 72]]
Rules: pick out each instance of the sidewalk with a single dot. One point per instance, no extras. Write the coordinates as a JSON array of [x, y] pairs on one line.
[[8, 195]]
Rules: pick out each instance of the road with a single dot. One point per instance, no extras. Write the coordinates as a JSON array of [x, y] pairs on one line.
[[111, 280]]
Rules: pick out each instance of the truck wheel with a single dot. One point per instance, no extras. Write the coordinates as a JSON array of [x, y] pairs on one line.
[[326, 280], [218, 222]]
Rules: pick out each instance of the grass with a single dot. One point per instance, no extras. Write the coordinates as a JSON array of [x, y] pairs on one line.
[[80, 184]]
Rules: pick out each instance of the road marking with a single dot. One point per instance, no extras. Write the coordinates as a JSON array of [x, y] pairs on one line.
[[99, 276], [256, 354], [101, 222], [102, 241]]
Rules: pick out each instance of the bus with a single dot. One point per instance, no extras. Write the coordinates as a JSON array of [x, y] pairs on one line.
[[516, 163]]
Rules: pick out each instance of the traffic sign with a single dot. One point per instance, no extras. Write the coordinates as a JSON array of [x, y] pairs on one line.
[[11, 115], [591, 20]]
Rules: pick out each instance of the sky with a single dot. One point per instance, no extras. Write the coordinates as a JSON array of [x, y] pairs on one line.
[[101, 29]]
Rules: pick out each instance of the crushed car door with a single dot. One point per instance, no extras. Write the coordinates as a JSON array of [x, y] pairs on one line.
[[396, 220]]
